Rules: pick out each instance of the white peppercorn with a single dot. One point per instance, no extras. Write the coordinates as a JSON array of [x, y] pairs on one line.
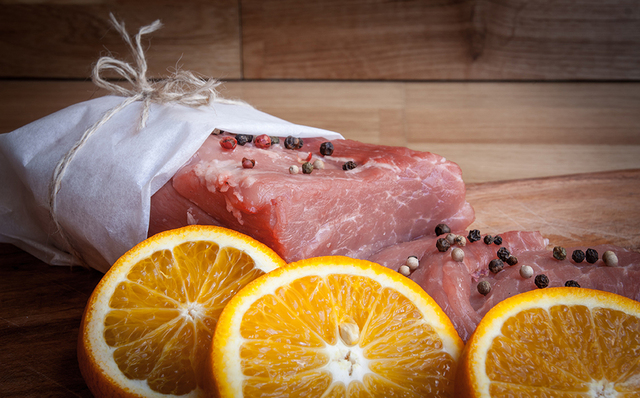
[[412, 262], [610, 259], [404, 270], [461, 240], [294, 169], [457, 254], [526, 271]]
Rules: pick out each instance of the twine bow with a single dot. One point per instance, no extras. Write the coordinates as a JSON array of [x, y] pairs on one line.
[[182, 87]]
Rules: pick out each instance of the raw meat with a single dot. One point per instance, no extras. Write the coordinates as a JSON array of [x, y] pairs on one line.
[[393, 195], [453, 285]]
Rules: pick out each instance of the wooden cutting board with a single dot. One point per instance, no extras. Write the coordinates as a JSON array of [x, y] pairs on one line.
[[41, 305]]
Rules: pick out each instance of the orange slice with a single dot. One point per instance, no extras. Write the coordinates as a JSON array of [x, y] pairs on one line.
[[334, 327], [148, 325], [555, 342]]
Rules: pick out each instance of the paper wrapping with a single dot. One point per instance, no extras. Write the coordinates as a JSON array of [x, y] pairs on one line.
[[104, 199]]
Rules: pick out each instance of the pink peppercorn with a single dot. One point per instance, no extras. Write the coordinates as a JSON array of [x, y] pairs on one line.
[[262, 141], [248, 163], [228, 143]]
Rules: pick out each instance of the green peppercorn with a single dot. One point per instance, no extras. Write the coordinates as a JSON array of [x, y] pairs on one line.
[[542, 281], [559, 253], [307, 168], [512, 260], [497, 240], [571, 283], [503, 254], [326, 148], [496, 265], [578, 256], [442, 229], [474, 235], [244, 138], [443, 245], [488, 239], [274, 140], [592, 256], [350, 165], [484, 288]]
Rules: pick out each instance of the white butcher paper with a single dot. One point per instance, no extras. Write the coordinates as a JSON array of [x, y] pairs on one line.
[[104, 198]]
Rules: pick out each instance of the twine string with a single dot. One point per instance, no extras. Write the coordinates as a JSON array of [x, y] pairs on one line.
[[182, 87]]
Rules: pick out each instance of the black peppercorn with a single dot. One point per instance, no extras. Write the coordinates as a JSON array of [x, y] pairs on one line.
[[350, 165], [542, 281], [571, 283], [243, 138], [442, 229], [488, 239], [503, 254], [512, 260], [497, 240], [592, 256], [484, 288], [559, 253], [578, 256], [326, 148], [293, 142], [307, 168], [474, 235], [443, 244], [496, 265]]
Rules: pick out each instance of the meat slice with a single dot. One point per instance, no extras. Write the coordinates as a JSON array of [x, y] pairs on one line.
[[393, 195], [453, 285]]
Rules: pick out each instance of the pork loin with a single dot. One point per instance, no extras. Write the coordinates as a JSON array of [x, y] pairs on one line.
[[453, 285], [393, 195]]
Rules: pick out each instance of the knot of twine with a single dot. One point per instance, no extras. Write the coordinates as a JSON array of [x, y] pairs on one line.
[[182, 87]]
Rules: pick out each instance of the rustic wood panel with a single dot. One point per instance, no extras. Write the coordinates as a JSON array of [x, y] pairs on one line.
[[441, 39], [494, 131], [50, 39]]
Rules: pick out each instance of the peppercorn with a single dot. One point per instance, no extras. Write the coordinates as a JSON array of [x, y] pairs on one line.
[[484, 288], [542, 281], [488, 239], [512, 260], [412, 262], [318, 164], [442, 244], [451, 238], [457, 254], [442, 229], [503, 254], [262, 141], [592, 256], [248, 163], [610, 259], [326, 148], [496, 265], [461, 240], [350, 165], [294, 169], [243, 138], [578, 256], [404, 270], [274, 140], [559, 253], [571, 283], [526, 271], [293, 142], [474, 235], [217, 132], [497, 240], [307, 168], [228, 143]]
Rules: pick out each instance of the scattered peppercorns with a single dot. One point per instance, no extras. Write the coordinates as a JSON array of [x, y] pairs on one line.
[[294, 169], [262, 141], [542, 281], [404, 270], [326, 148], [484, 287], [559, 253], [460, 240], [497, 240], [307, 168], [526, 271], [571, 283], [442, 244], [243, 139], [488, 239], [350, 165], [512, 260], [592, 256], [503, 254], [610, 259], [228, 143], [496, 265], [474, 235], [412, 262], [457, 254], [442, 229], [318, 164], [578, 256], [293, 142], [248, 163]]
